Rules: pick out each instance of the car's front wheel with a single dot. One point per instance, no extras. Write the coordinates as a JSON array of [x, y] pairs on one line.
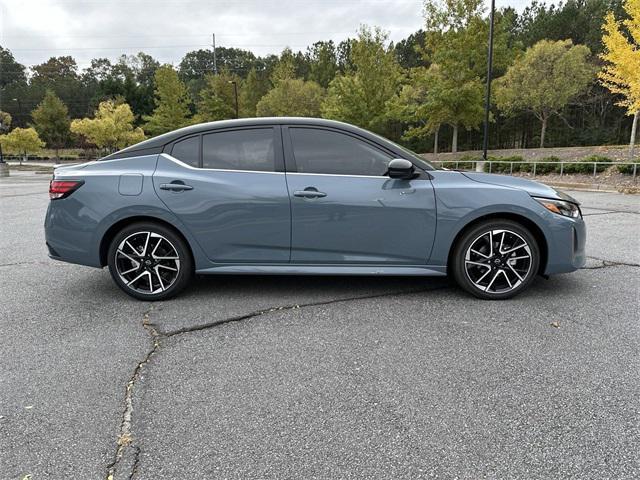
[[496, 259], [149, 261]]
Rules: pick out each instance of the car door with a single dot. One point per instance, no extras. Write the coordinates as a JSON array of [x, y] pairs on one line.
[[228, 187], [345, 210]]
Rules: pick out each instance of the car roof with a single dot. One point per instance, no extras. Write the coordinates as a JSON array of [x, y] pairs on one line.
[[156, 144]]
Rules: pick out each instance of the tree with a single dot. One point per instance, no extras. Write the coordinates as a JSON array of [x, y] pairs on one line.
[[172, 103], [10, 70], [360, 95], [292, 97], [5, 121], [430, 100], [60, 75], [217, 98], [285, 68], [112, 127], [252, 89], [408, 51], [455, 44], [578, 20], [21, 141], [323, 62], [621, 73], [51, 121], [544, 80]]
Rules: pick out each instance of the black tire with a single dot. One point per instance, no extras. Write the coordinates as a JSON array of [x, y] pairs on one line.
[[506, 270], [159, 256]]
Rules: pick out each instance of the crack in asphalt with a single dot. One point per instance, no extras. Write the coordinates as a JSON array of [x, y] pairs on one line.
[[126, 439], [14, 264], [608, 212], [608, 264]]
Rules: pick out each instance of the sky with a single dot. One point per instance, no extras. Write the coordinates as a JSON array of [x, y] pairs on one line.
[[35, 30]]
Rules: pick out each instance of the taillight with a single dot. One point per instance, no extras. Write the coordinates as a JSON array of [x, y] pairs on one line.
[[63, 188]]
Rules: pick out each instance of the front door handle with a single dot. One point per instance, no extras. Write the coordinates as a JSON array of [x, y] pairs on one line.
[[309, 192], [175, 186]]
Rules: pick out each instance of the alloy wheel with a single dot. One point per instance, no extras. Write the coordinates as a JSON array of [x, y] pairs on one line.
[[147, 262], [498, 261]]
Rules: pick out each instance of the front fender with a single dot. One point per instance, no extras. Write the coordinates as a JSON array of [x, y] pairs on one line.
[[461, 201]]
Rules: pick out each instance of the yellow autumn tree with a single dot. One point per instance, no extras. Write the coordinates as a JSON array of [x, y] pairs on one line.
[[621, 73], [111, 128]]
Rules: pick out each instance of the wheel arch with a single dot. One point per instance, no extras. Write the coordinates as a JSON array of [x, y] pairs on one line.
[[535, 230], [113, 230]]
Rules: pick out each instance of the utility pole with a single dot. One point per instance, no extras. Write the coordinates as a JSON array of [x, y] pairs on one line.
[[487, 100], [213, 44], [235, 91]]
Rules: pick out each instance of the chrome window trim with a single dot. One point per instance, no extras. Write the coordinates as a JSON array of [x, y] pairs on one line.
[[339, 175], [182, 164]]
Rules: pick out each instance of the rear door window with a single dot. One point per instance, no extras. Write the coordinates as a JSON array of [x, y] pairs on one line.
[[187, 151], [247, 149]]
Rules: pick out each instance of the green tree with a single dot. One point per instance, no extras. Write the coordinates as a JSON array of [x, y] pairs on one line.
[[430, 100], [172, 103], [361, 94], [323, 62], [544, 80], [252, 89], [21, 141], [10, 70], [455, 46], [51, 121], [285, 68], [217, 98], [292, 97], [60, 75], [112, 127]]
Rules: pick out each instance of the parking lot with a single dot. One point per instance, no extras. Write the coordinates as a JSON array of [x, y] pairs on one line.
[[318, 377]]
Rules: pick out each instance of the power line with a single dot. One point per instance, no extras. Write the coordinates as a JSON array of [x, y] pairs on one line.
[[269, 34]]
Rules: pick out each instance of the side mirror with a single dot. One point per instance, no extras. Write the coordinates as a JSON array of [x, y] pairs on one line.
[[401, 168]]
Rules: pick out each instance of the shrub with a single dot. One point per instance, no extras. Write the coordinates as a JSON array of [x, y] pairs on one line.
[[586, 165], [504, 167], [546, 168], [628, 169], [466, 162]]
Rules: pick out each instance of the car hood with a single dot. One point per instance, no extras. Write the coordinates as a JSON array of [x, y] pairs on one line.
[[532, 188]]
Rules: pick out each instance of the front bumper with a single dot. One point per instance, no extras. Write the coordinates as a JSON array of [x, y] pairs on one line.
[[567, 241]]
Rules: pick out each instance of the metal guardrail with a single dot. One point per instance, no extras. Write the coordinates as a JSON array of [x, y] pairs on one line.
[[534, 165]]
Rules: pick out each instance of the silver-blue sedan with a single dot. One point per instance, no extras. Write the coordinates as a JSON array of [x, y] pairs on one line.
[[303, 196]]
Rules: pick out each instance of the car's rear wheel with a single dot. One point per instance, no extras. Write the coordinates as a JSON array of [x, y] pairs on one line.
[[496, 259], [149, 261]]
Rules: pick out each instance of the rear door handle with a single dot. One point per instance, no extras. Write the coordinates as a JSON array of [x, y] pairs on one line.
[[309, 192], [175, 186]]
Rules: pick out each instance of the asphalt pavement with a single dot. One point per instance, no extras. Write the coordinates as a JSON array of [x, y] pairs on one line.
[[318, 377]]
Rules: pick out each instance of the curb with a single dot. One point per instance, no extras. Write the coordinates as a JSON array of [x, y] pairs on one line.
[[585, 187]]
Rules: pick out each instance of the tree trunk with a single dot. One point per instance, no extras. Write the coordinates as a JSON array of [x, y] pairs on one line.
[[454, 142], [435, 141], [543, 130], [634, 129], [57, 155], [23, 157]]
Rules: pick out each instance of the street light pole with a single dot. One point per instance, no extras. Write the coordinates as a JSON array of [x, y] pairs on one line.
[[215, 63], [19, 106], [235, 92], [487, 100]]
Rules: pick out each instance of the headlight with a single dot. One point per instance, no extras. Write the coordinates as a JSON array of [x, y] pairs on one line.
[[560, 207]]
